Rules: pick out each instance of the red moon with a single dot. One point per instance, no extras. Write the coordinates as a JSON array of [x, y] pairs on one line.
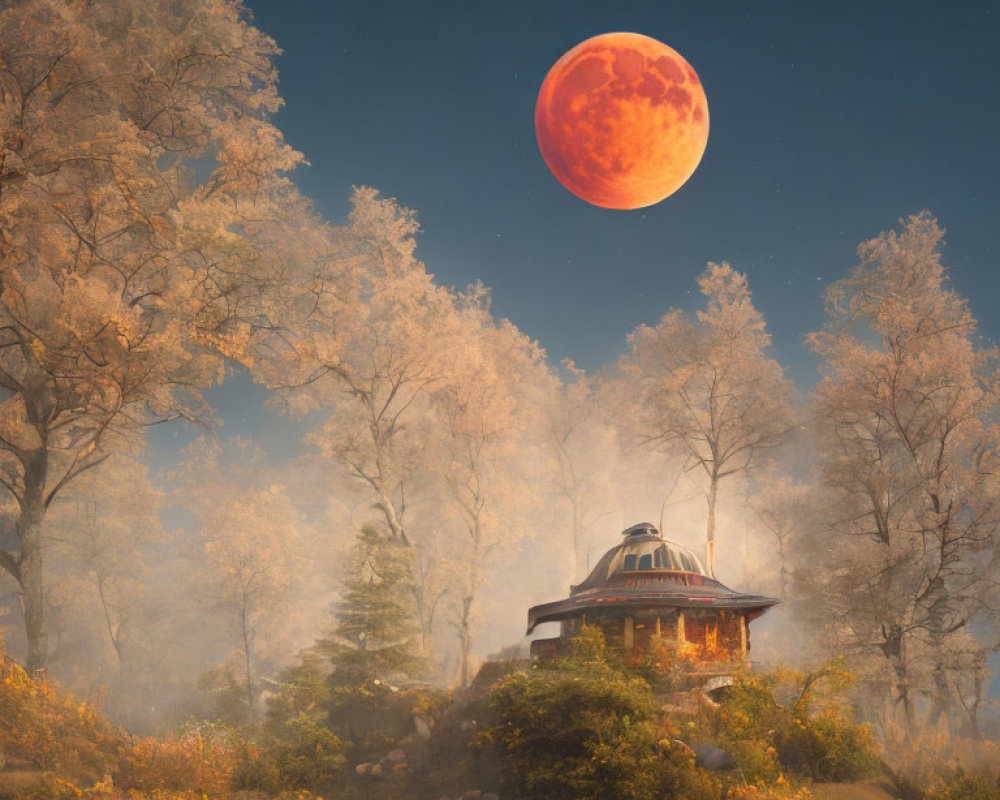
[[622, 120]]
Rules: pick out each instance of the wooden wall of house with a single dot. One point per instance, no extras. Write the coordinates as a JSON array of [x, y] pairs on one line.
[[645, 626], [715, 633], [614, 633], [708, 634], [730, 631]]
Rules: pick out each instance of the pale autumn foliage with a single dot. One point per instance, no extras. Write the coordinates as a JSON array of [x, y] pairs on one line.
[[148, 234], [377, 383], [117, 268], [705, 388], [586, 463], [491, 413], [784, 512], [907, 413], [247, 571]]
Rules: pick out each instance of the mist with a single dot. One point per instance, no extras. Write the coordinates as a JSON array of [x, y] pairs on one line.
[[248, 453]]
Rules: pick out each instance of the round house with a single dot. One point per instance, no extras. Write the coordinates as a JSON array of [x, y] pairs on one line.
[[650, 592]]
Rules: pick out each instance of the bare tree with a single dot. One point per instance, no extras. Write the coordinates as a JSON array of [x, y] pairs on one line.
[[585, 447], [101, 528], [371, 348], [249, 542], [785, 510]]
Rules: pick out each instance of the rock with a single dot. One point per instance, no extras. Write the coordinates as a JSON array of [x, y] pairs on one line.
[[392, 758], [473, 794], [423, 727], [713, 758], [368, 770]]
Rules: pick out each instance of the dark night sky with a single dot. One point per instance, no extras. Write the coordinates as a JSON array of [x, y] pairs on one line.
[[829, 121]]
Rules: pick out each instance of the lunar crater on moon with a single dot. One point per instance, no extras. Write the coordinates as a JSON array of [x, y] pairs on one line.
[[622, 120]]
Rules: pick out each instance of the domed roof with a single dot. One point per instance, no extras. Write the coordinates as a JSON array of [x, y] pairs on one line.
[[642, 551], [643, 572]]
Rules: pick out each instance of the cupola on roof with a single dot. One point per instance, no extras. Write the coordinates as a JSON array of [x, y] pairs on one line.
[[642, 551]]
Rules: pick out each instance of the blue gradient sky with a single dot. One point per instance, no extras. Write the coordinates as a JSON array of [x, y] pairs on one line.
[[829, 121]]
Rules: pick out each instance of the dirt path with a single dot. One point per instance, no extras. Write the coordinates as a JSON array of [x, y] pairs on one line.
[[876, 789]]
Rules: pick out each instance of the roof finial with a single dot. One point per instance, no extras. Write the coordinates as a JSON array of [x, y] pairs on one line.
[[641, 529]]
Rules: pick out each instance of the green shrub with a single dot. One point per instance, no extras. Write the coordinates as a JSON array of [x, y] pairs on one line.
[[745, 726], [375, 716], [827, 748], [255, 770], [584, 729], [303, 687], [307, 755], [764, 737], [226, 695], [963, 786], [297, 754]]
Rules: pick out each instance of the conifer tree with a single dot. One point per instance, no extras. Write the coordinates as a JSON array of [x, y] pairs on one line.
[[375, 634]]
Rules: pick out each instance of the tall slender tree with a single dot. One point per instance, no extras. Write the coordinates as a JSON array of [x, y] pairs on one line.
[[101, 531], [907, 413], [367, 340], [705, 387], [492, 415], [585, 449], [247, 571]]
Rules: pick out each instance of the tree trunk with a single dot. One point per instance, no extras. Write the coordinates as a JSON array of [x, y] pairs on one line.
[[425, 604], [247, 643], [114, 635], [465, 620], [941, 697], [894, 649], [393, 518], [465, 637], [29, 531], [420, 600], [580, 563], [710, 527]]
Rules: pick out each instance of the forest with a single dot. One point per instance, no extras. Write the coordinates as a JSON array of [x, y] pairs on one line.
[[345, 618]]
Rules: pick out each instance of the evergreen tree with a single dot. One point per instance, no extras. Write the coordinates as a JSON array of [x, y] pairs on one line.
[[375, 634]]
